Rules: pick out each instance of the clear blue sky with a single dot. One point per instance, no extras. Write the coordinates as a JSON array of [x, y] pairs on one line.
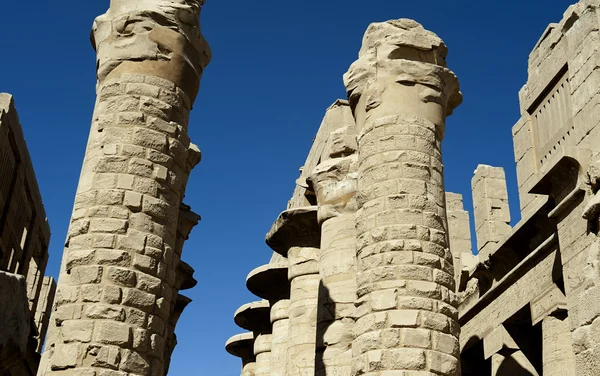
[[277, 66]]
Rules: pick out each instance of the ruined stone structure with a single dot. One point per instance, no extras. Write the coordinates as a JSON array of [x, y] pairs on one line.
[[118, 295], [26, 295], [373, 271]]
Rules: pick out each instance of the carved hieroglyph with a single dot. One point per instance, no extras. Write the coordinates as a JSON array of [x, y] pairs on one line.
[[401, 92], [117, 299]]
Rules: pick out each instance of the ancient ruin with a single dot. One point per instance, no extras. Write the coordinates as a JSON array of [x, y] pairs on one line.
[[374, 268], [118, 295], [26, 295], [373, 271]]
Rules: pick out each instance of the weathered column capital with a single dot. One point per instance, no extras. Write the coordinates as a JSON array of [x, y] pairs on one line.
[[399, 59], [159, 38], [295, 228], [269, 282], [254, 317]]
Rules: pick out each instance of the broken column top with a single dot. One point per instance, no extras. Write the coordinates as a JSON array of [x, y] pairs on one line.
[[404, 48], [159, 38]]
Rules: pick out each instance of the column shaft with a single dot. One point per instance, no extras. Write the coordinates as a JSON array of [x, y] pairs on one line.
[[401, 93], [280, 319], [262, 351], [337, 295], [557, 347], [304, 292]]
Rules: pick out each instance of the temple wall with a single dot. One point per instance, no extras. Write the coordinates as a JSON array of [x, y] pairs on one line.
[[24, 240]]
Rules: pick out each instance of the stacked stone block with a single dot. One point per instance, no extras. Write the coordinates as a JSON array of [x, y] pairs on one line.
[[492, 214], [118, 286], [459, 229]]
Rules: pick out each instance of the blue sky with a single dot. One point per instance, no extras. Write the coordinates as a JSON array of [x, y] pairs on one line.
[[277, 66]]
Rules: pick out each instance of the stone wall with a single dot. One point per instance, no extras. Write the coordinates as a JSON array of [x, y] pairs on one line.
[[24, 239]]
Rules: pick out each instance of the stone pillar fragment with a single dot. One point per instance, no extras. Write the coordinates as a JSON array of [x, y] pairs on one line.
[[117, 284], [401, 92], [492, 214], [459, 229], [334, 183], [296, 234]]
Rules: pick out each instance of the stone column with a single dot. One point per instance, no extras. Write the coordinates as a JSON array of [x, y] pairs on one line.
[[401, 92], [117, 279], [491, 210], [242, 346], [557, 347], [334, 182], [271, 282], [296, 234], [262, 352], [280, 320]]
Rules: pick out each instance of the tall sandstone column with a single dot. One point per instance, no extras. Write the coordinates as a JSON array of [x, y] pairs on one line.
[[401, 92], [118, 284], [297, 235]]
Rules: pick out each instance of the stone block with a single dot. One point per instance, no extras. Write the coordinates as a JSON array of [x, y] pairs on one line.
[[82, 275], [138, 299], [105, 312], [112, 333], [122, 277], [65, 356], [108, 357]]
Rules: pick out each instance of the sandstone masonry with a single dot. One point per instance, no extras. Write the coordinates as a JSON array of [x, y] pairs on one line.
[[382, 277]]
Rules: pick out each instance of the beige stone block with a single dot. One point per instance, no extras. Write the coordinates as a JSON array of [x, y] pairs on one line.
[[108, 357], [112, 333], [81, 275], [133, 362], [406, 359], [65, 356], [77, 331], [122, 277], [138, 299], [444, 364]]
